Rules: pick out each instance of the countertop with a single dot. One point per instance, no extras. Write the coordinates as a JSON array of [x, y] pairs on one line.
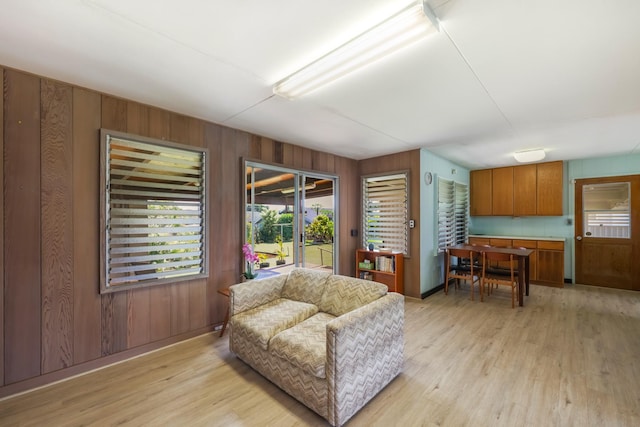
[[547, 238]]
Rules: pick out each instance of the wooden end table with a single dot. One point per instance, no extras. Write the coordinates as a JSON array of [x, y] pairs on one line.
[[226, 293]]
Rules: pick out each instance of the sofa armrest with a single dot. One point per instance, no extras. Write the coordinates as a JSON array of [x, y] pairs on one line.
[[365, 351], [254, 293]]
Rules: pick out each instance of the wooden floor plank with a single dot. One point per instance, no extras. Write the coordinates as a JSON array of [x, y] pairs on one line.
[[568, 357]]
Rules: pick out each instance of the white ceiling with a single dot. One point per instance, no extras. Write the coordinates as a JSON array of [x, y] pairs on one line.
[[501, 76]]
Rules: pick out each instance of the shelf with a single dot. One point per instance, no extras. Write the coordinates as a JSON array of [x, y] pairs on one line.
[[394, 280]]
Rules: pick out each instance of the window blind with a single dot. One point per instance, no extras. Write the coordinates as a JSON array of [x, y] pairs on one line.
[[155, 213], [453, 213], [608, 224], [385, 212]]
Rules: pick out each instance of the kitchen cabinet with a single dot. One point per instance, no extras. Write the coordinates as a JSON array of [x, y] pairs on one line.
[[549, 188], [525, 190], [480, 181], [502, 191], [533, 258], [550, 263], [546, 263]]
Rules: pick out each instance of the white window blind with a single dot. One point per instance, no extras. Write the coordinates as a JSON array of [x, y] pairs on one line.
[[608, 224], [607, 210], [385, 212], [154, 213], [453, 213]]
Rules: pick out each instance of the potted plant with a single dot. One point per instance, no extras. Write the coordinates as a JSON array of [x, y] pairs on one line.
[[263, 261], [280, 251], [251, 259]]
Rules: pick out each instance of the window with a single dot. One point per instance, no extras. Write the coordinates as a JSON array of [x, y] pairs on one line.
[[607, 210], [154, 215], [453, 213], [385, 212]]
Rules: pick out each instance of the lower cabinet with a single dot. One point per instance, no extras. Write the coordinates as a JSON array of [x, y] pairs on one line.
[[546, 263], [550, 263], [533, 258]]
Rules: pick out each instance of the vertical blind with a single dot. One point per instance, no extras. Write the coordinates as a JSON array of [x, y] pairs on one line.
[[155, 213], [385, 212], [453, 213]]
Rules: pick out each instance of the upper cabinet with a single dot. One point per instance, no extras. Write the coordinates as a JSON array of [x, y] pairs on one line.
[[502, 191], [525, 190], [481, 192], [549, 188]]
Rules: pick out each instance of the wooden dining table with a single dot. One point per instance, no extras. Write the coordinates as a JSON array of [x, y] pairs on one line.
[[523, 263]]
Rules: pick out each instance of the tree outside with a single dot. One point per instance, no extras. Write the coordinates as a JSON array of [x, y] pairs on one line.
[[321, 229]]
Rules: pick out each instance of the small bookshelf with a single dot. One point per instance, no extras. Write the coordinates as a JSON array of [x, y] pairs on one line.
[[383, 267]]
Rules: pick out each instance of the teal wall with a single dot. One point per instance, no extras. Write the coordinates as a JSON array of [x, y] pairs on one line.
[[593, 168], [431, 273], [560, 226]]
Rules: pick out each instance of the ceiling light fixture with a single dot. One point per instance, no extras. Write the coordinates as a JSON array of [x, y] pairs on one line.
[[529, 155], [398, 31]]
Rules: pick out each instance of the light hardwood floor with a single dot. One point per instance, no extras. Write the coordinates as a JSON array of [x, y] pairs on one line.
[[569, 357]]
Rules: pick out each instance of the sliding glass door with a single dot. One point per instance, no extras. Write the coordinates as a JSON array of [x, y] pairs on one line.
[[290, 218]]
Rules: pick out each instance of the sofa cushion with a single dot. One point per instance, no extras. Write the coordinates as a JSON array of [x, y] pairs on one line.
[[260, 324], [343, 294], [305, 344], [305, 285]]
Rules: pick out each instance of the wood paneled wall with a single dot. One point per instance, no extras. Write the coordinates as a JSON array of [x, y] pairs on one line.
[[53, 321], [407, 160]]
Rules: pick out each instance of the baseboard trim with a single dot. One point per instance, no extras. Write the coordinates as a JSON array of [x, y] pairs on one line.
[[432, 291]]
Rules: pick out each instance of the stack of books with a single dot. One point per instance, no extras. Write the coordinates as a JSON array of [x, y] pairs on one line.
[[386, 264]]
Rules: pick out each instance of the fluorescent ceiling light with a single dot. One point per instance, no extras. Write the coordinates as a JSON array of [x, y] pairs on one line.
[[529, 155], [393, 34]]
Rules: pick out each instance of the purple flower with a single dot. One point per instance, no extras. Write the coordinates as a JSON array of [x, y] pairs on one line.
[[249, 255]]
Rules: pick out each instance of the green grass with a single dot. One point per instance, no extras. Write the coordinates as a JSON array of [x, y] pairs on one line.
[[315, 254]]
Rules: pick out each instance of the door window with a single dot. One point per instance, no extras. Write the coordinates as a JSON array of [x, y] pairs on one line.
[[607, 210]]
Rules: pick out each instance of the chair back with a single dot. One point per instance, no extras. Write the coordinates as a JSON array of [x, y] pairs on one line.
[[495, 258], [468, 261], [499, 275]]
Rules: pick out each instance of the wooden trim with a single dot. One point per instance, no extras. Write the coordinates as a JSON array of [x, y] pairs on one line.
[[2, 92], [22, 219], [86, 189], [57, 224]]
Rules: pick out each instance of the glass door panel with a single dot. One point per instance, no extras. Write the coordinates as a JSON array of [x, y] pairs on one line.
[[281, 235], [318, 222], [269, 225]]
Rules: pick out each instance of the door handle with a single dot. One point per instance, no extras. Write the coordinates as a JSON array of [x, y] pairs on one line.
[[579, 238]]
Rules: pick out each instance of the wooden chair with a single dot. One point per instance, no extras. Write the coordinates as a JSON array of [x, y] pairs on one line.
[[504, 276], [464, 268]]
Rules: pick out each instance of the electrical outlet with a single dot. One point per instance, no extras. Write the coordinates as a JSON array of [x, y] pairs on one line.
[[412, 223]]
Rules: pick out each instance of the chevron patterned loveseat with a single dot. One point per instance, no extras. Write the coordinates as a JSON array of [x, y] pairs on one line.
[[332, 342]]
